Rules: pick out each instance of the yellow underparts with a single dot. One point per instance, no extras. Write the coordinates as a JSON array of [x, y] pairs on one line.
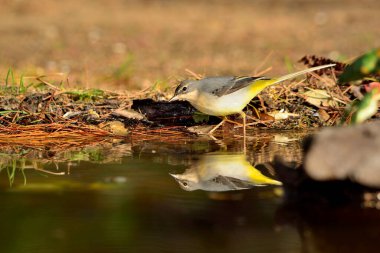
[[257, 177], [259, 85]]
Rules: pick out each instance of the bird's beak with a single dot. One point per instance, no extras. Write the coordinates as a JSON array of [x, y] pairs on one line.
[[176, 177], [174, 98]]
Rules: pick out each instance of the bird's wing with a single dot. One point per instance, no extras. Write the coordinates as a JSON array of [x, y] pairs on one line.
[[227, 85], [232, 183]]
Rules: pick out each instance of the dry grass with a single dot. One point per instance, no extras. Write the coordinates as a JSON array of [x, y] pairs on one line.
[[74, 134], [173, 134], [51, 134]]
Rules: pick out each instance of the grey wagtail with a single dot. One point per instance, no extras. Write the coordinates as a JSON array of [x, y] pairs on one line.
[[226, 95], [221, 171]]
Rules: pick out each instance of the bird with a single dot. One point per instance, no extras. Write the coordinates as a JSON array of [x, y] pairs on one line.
[[222, 171], [227, 95]]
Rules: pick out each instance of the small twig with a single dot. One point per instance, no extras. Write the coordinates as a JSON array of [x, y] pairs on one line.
[[347, 89], [51, 172], [264, 71], [47, 83], [262, 105], [262, 63], [197, 76]]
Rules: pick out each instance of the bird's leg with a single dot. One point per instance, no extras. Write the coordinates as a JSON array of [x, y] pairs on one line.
[[242, 114], [217, 126], [244, 130], [232, 122]]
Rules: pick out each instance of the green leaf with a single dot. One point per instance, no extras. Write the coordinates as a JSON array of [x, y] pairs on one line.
[[365, 108], [200, 117], [365, 65]]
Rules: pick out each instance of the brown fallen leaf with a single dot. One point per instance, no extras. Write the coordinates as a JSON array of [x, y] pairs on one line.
[[319, 98], [323, 115]]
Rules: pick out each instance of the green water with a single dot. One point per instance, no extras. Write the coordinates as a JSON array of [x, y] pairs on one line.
[[120, 197]]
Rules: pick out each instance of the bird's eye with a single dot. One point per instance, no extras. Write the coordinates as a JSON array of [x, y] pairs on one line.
[[184, 88], [184, 184]]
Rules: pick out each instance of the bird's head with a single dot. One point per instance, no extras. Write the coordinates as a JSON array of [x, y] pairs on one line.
[[185, 182], [186, 90]]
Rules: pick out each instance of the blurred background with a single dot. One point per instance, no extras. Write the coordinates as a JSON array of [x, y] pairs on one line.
[[131, 44]]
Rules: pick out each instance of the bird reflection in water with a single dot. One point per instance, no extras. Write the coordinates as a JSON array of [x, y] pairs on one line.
[[218, 172]]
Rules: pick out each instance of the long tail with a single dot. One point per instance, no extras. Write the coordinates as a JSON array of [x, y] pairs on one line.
[[259, 84], [305, 71]]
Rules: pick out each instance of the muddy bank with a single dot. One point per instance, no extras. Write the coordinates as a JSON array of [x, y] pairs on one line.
[[315, 102]]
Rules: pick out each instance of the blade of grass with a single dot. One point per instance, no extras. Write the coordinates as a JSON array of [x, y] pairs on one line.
[[9, 73], [22, 89]]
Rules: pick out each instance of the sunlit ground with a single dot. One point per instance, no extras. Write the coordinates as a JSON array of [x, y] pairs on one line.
[[137, 43]]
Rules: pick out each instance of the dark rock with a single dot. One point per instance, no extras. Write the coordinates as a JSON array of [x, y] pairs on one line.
[[301, 188], [345, 153], [177, 113]]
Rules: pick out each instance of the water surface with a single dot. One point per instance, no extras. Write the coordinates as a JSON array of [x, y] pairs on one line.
[[120, 197]]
